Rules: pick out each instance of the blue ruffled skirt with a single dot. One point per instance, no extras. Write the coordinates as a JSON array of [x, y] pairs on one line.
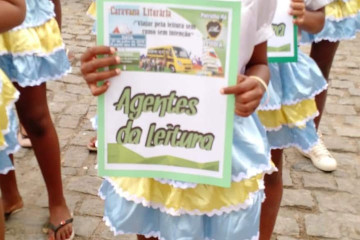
[[126, 217], [288, 115], [33, 52]]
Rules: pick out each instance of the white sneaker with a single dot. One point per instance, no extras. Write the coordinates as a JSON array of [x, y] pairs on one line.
[[321, 157]]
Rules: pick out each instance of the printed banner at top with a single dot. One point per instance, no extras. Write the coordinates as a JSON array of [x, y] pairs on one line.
[[164, 116], [283, 46], [169, 39]]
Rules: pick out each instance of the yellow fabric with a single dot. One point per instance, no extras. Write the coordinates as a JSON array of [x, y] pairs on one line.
[[340, 9], [204, 198], [8, 94], [292, 115], [92, 10], [42, 39]]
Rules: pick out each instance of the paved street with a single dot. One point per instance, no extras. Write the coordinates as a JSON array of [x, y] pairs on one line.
[[315, 205]]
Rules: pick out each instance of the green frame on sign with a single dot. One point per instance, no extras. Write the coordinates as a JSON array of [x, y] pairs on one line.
[[225, 181], [288, 59]]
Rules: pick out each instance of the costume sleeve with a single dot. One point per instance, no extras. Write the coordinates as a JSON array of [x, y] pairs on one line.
[[316, 4], [265, 15]]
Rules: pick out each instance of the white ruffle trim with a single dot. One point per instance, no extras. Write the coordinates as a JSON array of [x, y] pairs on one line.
[[294, 125], [173, 212], [295, 145], [153, 234], [176, 184], [24, 26], [292, 102], [44, 79], [37, 53], [14, 150], [267, 169], [331, 39], [334, 19], [6, 170]]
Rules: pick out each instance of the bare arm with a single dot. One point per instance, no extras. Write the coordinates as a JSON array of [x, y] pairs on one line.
[[249, 91], [58, 12], [12, 13], [309, 21]]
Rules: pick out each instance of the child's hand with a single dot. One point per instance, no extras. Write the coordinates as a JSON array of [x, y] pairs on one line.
[[90, 65], [248, 94], [297, 9]]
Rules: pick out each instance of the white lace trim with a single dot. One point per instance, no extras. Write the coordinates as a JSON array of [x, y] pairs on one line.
[[334, 19], [305, 150], [6, 170], [29, 25], [178, 212], [330, 39], [14, 150], [292, 102], [42, 80], [152, 234], [267, 169], [37, 53], [297, 124]]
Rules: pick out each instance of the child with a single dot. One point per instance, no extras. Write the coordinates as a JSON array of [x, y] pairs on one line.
[[8, 95], [173, 210], [288, 116], [342, 22], [30, 55]]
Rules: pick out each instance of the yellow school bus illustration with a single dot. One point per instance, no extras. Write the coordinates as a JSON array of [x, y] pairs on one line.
[[174, 58]]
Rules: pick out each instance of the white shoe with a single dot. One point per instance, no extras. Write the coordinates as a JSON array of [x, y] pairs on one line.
[[321, 157]]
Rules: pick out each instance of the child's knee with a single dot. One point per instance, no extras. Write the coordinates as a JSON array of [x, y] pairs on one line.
[[37, 125]]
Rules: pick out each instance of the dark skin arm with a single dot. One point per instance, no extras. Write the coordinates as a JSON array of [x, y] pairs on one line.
[[309, 21], [12, 13], [249, 91], [58, 12]]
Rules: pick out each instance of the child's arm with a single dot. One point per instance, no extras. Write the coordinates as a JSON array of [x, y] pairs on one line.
[[57, 5], [249, 91], [90, 64], [309, 21], [12, 13]]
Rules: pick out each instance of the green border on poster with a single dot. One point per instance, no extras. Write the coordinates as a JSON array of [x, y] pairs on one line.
[[288, 59], [225, 181]]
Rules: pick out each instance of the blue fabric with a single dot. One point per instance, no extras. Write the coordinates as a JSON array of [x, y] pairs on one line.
[[291, 83], [12, 145], [301, 138], [294, 82], [334, 31], [129, 217], [37, 13], [32, 70]]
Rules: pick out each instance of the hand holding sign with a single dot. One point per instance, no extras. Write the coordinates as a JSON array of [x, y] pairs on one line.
[[90, 65], [297, 10], [248, 94]]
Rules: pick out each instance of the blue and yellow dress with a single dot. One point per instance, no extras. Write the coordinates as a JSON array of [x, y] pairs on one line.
[[173, 210], [289, 114], [342, 22], [33, 53], [8, 123]]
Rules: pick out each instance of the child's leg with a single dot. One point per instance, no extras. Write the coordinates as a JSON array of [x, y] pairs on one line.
[[34, 114], [11, 199], [2, 224], [141, 237], [323, 53], [273, 191]]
